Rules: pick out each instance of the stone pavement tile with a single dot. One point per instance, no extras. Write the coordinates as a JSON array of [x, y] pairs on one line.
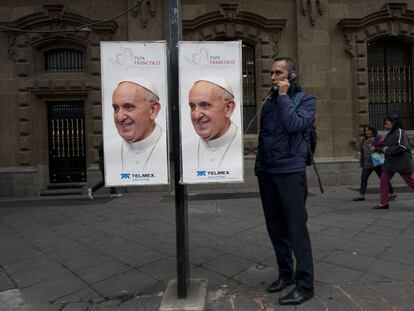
[[255, 237], [142, 303], [372, 278], [252, 252], [11, 300], [200, 254], [110, 305], [257, 276], [5, 282], [8, 255], [315, 228], [132, 282], [245, 300], [101, 271], [85, 260], [407, 234], [361, 219], [27, 263], [340, 232], [157, 227], [12, 241], [404, 243], [106, 241], [375, 239], [88, 218], [363, 248], [334, 274], [350, 260], [319, 251], [215, 281], [163, 269], [85, 294], [219, 229], [134, 255], [78, 306], [41, 307], [320, 239], [51, 290], [228, 265], [227, 245], [404, 256], [393, 270], [269, 261], [200, 238], [40, 273], [396, 295], [393, 224], [69, 211], [339, 297], [396, 215], [384, 231], [350, 225]]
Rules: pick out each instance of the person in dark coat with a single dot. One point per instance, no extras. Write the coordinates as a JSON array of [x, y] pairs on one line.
[[100, 184], [281, 172], [371, 141], [398, 158]]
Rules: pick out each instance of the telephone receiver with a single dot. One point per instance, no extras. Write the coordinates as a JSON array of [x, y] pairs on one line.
[[291, 78]]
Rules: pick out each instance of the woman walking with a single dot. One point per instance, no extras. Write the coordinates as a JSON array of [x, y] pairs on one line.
[[398, 158], [371, 142]]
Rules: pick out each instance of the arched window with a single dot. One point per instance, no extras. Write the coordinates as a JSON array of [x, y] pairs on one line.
[[390, 81], [62, 59]]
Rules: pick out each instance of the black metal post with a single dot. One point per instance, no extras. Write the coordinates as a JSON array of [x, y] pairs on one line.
[[181, 210]]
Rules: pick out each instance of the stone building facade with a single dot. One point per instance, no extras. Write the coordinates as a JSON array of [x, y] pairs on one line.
[[355, 56]]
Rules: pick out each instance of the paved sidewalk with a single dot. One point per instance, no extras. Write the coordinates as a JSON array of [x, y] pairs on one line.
[[70, 253]]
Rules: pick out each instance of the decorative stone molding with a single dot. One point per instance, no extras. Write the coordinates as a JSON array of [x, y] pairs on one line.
[[144, 10], [24, 45], [309, 7], [394, 19], [230, 22]]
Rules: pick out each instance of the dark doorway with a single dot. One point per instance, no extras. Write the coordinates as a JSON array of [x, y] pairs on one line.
[[390, 64], [66, 135]]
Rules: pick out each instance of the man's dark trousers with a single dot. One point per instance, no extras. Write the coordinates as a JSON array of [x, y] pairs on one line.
[[284, 199]]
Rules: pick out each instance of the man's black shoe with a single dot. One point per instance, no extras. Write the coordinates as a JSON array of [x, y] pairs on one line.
[[296, 297], [358, 199], [279, 284], [379, 206]]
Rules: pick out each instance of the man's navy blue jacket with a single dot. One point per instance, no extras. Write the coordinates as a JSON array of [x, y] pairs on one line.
[[282, 148]]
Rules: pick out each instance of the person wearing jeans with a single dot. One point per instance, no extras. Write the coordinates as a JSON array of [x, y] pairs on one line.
[[398, 158], [371, 142]]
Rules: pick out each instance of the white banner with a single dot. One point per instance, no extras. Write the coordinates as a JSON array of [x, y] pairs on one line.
[[211, 101], [134, 109]]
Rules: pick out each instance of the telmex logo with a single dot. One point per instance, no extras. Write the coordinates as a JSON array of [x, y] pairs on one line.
[[201, 173], [125, 175]]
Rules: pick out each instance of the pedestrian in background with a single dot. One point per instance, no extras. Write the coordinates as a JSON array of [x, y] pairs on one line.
[[398, 158], [100, 184], [372, 142]]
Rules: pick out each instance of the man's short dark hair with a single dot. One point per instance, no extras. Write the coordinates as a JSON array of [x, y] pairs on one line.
[[291, 66]]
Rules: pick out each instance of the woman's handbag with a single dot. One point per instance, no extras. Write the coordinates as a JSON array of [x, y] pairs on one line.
[[377, 159]]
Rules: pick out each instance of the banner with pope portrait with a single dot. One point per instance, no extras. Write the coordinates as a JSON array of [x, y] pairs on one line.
[[134, 110], [211, 101]]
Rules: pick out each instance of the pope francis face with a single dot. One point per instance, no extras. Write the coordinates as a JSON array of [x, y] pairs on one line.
[[135, 110], [211, 108]]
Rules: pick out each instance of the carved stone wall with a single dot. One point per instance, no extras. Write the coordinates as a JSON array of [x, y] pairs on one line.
[[32, 82], [393, 20]]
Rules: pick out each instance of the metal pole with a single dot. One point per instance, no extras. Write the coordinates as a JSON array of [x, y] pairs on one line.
[[181, 210]]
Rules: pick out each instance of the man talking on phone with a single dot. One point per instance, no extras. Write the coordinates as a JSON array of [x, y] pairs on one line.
[[281, 171]]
